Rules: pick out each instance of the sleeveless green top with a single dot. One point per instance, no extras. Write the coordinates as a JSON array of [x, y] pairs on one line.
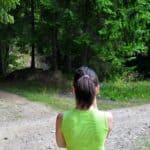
[[84, 129]]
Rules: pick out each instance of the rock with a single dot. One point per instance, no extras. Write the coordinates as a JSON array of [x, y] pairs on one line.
[[5, 138]]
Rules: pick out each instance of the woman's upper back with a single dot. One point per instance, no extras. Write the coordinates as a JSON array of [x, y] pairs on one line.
[[84, 129]]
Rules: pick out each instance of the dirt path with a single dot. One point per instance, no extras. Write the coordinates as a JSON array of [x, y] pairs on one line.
[[26, 125]]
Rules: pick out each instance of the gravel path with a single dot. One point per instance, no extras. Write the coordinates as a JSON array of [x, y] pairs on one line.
[[26, 125]]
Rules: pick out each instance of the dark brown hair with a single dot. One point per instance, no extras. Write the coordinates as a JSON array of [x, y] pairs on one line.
[[85, 81]]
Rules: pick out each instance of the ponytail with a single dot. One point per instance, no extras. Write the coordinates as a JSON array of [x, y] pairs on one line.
[[84, 91]]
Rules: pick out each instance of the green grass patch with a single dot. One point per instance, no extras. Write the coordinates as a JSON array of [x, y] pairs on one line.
[[138, 92], [146, 145], [39, 92], [143, 143], [115, 95]]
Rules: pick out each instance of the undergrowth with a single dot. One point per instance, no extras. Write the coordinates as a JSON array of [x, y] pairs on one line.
[[112, 95]]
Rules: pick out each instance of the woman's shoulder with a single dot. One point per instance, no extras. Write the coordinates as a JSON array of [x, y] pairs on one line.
[[107, 114], [108, 117], [60, 115]]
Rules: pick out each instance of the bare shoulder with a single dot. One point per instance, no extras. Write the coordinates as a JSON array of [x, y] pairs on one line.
[[110, 120], [109, 115], [59, 136], [59, 117]]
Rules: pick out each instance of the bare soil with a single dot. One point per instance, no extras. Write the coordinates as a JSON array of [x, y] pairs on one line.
[[26, 125]]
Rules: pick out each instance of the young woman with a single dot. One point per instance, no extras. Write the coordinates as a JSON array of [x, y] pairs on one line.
[[84, 127]]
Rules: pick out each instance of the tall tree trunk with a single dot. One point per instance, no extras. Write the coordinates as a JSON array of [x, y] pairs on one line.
[[1, 60], [33, 56], [69, 62], [54, 49], [85, 30], [4, 54], [68, 59], [85, 55], [6, 58], [33, 32]]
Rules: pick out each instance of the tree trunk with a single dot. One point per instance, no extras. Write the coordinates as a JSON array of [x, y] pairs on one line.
[[4, 54], [33, 56], [33, 32], [1, 61], [85, 55], [54, 49], [85, 30], [6, 58], [68, 61]]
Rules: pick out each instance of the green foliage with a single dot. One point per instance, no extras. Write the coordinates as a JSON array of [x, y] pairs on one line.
[[17, 60], [126, 91], [5, 7], [125, 94], [102, 34], [126, 31]]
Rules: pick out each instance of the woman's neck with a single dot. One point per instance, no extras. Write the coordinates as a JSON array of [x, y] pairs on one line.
[[93, 106]]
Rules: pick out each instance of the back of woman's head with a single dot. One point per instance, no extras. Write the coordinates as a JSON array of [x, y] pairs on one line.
[[85, 81]]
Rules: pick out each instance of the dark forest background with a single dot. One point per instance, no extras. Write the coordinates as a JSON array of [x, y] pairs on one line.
[[110, 36]]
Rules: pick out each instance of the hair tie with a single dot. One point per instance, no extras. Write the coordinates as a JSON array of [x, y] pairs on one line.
[[86, 76]]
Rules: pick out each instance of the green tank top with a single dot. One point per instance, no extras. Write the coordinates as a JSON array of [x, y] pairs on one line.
[[84, 129]]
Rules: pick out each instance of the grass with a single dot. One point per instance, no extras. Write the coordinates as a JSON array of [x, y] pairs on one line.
[[119, 94], [39, 92], [146, 145], [143, 142], [137, 92]]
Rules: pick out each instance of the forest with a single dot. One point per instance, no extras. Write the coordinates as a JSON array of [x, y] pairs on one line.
[[110, 36], [42, 43]]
